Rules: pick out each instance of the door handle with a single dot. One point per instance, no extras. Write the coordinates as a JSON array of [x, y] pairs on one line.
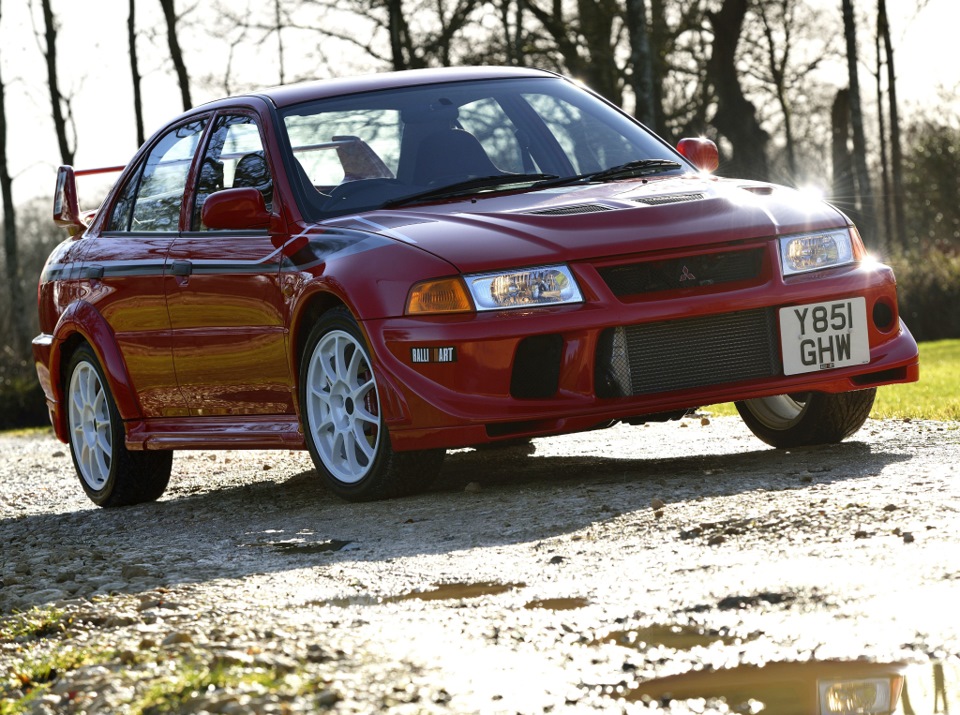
[[93, 272], [181, 268]]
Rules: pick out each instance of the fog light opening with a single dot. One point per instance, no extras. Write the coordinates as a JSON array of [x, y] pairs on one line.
[[883, 315]]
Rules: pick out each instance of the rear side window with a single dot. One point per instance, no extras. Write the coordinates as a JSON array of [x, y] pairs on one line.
[[151, 200]]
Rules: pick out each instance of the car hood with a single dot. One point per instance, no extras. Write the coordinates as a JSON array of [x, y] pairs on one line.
[[574, 223]]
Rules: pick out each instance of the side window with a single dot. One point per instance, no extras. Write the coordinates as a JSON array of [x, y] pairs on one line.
[[151, 199], [234, 159]]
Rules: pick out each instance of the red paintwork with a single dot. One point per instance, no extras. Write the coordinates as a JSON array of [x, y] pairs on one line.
[[203, 350], [236, 209], [701, 152]]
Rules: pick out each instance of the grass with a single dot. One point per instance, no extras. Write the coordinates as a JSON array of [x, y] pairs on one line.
[[35, 623], [935, 397]]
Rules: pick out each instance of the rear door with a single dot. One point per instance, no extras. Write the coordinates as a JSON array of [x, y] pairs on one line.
[[123, 267]]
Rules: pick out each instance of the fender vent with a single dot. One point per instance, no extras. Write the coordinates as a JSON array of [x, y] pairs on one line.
[[571, 210], [668, 199]]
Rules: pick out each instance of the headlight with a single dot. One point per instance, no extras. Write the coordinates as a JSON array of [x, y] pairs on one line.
[[530, 287], [813, 251], [855, 696]]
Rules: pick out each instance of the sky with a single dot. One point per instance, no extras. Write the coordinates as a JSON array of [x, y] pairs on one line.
[[94, 68]]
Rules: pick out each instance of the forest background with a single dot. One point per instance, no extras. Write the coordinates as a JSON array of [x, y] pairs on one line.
[[801, 92]]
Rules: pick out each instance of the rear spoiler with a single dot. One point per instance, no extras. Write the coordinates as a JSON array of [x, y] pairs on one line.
[[66, 207]]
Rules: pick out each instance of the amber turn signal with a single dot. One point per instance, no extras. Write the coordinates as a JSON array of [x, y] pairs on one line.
[[443, 295]]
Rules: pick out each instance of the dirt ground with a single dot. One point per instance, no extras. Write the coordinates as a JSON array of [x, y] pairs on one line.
[[568, 575]]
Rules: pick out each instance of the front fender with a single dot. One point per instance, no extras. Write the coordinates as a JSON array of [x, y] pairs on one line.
[[82, 321]]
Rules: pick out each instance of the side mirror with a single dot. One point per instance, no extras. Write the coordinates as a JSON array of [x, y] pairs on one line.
[[238, 209], [66, 209], [702, 153]]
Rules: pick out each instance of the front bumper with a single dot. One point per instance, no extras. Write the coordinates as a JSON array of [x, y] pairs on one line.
[[453, 381]]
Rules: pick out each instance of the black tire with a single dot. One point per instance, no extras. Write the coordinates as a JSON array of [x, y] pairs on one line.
[[806, 419], [339, 402], [110, 474]]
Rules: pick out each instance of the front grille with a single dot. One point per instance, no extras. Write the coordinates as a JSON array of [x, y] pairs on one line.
[[683, 354], [572, 210], [690, 272]]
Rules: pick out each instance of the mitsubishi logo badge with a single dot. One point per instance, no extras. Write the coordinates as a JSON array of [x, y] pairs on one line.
[[686, 275]]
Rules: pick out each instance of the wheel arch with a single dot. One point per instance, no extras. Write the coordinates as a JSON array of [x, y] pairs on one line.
[[82, 324], [315, 302]]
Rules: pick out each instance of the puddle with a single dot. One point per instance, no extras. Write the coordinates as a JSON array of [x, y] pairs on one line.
[[676, 637], [298, 546], [808, 688], [557, 604], [444, 591]]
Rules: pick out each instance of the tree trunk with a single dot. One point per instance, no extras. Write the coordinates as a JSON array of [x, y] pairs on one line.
[[56, 98], [641, 61], [135, 70], [866, 219], [278, 24], [843, 193], [20, 339], [896, 147], [175, 52], [882, 132], [736, 117]]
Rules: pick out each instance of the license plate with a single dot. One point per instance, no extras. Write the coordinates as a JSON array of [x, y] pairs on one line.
[[824, 336]]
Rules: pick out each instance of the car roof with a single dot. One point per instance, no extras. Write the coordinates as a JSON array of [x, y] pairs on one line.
[[287, 95]]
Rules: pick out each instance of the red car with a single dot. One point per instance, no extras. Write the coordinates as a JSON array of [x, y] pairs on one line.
[[379, 269]]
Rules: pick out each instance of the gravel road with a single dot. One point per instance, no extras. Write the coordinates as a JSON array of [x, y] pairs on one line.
[[557, 577]]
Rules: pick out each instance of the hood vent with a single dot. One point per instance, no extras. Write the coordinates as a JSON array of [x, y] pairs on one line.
[[668, 199], [572, 209]]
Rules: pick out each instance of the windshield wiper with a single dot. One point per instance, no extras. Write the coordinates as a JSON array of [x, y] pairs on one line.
[[469, 186], [641, 167]]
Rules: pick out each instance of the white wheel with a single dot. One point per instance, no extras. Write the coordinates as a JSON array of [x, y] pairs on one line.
[[110, 474], [342, 421], [90, 432], [343, 411]]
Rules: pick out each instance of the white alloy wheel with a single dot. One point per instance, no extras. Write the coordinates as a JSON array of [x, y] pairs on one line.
[[91, 435], [779, 412], [343, 411]]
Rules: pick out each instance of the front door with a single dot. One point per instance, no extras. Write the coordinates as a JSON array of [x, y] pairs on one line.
[[223, 293]]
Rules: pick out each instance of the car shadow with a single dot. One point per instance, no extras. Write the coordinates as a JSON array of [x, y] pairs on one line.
[[484, 498]]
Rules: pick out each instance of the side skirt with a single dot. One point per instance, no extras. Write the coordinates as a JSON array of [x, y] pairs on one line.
[[235, 432]]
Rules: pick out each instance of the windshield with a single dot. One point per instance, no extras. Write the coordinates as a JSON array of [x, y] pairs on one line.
[[364, 151]]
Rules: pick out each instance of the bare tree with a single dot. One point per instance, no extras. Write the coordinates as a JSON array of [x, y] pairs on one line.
[[587, 40], [641, 63], [60, 104], [135, 70], [736, 116], [896, 151], [866, 218], [17, 306], [176, 54]]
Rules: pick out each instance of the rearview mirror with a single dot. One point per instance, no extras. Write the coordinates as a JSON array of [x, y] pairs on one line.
[[238, 209], [702, 153]]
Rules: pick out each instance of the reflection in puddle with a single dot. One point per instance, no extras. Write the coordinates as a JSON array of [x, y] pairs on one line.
[[808, 688], [305, 547], [443, 591], [676, 637], [557, 604]]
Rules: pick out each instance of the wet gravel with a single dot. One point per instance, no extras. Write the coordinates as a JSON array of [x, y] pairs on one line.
[[550, 577]]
